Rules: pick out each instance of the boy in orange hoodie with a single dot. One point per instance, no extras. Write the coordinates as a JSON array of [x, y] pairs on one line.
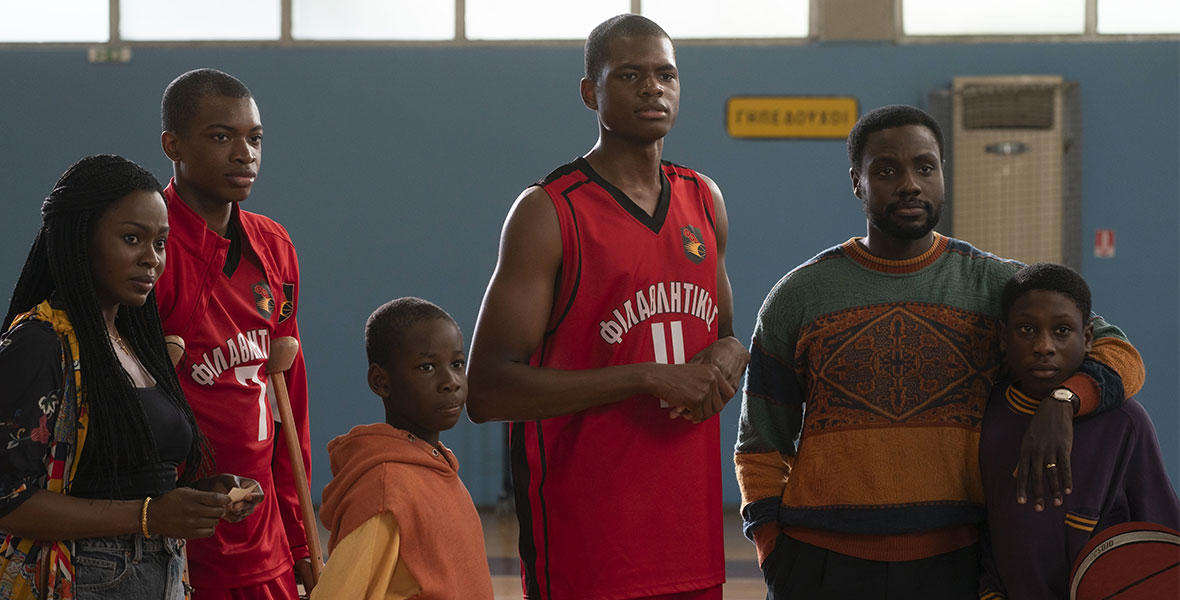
[[402, 523]]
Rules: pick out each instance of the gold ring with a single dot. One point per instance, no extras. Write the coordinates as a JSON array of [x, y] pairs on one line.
[[1051, 465]]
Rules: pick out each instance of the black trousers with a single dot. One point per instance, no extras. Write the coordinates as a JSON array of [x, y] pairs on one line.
[[798, 571]]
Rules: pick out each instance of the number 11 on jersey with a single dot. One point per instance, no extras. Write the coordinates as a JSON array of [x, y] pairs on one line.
[[660, 345]]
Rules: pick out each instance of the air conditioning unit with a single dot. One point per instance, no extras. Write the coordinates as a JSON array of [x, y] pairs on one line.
[[1014, 168]]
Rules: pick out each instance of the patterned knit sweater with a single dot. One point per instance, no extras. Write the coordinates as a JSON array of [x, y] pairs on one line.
[[865, 392]]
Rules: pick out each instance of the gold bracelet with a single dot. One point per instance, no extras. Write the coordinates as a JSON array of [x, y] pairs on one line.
[[143, 518]]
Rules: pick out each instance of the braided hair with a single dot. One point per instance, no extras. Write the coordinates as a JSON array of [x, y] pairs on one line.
[[59, 266]]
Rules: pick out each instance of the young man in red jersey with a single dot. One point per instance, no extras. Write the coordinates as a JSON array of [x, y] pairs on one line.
[[230, 288], [609, 312]]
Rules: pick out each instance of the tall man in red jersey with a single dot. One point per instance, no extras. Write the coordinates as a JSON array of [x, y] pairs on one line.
[[610, 296], [230, 288]]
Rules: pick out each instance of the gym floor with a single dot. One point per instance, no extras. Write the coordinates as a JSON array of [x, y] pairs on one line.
[[743, 578]]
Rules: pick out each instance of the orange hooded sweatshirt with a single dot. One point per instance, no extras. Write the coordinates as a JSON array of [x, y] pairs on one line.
[[378, 468]]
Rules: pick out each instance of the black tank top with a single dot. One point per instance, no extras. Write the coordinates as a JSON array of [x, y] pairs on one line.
[[173, 437]]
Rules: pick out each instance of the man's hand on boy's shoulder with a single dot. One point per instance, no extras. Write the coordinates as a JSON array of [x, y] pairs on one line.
[[1044, 455]]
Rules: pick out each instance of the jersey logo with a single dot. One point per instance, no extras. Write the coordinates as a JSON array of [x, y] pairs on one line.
[[693, 248], [287, 308], [264, 301]]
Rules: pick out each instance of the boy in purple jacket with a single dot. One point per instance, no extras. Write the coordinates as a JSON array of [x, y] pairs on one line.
[[1118, 469]]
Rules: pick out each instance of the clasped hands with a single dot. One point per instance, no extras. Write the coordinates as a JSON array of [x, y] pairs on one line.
[[701, 387]]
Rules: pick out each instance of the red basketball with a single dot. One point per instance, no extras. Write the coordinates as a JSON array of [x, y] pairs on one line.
[[1128, 561]]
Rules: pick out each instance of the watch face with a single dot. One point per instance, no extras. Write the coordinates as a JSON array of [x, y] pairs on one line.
[[1063, 395]]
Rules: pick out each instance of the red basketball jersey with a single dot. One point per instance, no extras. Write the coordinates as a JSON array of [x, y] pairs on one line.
[[620, 501], [227, 324]]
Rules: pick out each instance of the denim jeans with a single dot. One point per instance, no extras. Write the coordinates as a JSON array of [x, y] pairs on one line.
[[128, 567]]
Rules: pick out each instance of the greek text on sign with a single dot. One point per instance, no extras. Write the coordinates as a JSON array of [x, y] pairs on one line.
[[806, 117]]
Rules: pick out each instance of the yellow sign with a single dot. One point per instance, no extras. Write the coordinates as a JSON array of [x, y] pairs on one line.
[[790, 117]]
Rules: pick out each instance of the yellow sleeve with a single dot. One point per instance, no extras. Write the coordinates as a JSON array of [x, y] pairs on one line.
[[1121, 356], [365, 565]]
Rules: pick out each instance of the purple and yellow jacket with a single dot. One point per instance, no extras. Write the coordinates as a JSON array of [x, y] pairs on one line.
[[1118, 476]]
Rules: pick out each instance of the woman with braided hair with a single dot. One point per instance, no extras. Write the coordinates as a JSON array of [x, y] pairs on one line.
[[100, 457]]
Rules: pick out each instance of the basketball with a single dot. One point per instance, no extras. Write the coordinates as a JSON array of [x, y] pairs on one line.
[[1128, 561]]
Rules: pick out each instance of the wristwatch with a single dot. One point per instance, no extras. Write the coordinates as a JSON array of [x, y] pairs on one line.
[[1063, 394]]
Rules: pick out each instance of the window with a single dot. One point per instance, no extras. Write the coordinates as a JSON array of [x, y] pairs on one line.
[[993, 17], [89, 21], [684, 19], [1138, 16], [166, 20], [55, 20], [538, 19], [372, 20], [1040, 17]]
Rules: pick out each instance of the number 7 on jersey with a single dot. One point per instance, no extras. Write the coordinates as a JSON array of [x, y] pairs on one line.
[[248, 374]]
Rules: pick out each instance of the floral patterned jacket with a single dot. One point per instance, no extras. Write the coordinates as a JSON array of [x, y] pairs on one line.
[[42, 430]]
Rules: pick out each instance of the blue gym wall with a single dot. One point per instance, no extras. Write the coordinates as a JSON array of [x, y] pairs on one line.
[[393, 168]]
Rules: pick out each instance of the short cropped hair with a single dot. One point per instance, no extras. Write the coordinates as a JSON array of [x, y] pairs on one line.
[[184, 94], [888, 117], [620, 26], [386, 327], [1050, 277]]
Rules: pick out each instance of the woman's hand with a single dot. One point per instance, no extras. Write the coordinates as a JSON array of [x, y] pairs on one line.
[[224, 483], [186, 513]]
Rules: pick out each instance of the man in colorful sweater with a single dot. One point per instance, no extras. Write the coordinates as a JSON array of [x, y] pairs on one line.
[[891, 342]]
